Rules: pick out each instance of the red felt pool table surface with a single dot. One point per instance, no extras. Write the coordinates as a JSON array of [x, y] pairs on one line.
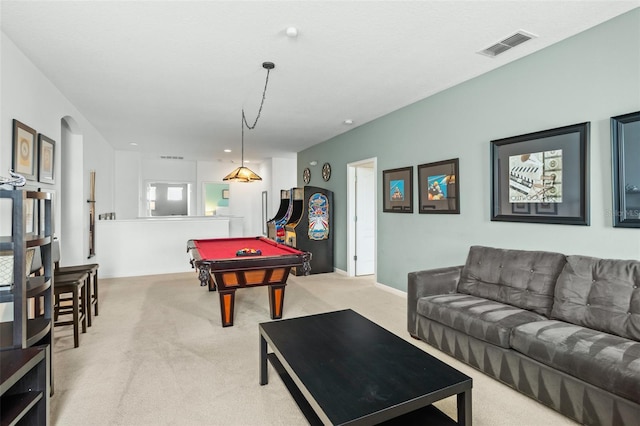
[[226, 248], [223, 270]]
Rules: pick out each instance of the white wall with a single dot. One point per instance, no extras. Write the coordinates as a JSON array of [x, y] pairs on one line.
[[28, 96], [152, 246], [128, 183], [284, 177]]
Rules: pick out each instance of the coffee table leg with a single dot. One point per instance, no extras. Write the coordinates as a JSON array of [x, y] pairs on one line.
[[264, 379], [464, 408]]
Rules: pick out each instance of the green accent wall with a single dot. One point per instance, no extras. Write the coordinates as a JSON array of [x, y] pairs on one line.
[[589, 77]]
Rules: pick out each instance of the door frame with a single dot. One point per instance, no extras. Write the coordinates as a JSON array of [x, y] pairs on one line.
[[351, 210]]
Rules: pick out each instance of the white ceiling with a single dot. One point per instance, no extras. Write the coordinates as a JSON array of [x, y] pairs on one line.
[[173, 76]]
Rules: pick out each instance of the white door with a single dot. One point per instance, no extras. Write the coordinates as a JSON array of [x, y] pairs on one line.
[[365, 209]]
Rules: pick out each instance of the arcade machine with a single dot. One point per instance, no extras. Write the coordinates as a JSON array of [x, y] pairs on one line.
[[312, 230], [293, 214], [295, 204], [285, 196]]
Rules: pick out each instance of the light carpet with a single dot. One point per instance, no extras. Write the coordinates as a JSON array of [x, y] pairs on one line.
[[157, 355]]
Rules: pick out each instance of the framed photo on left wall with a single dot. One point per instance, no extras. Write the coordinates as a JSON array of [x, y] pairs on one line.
[[46, 157], [397, 190], [25, 150]]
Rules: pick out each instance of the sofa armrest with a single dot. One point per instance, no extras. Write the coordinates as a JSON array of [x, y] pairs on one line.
[[427, 283]]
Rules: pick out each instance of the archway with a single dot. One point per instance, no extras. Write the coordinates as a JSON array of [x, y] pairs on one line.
[[72, 205]]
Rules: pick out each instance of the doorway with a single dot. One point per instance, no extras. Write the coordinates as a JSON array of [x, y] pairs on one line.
[[361, 211]]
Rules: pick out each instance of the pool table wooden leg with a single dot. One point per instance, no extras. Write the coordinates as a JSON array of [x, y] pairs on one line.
[[276, 300], [227, 302]]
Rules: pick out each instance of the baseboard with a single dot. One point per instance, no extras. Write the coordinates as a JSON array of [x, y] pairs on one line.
[[340, 271], [392, 290]]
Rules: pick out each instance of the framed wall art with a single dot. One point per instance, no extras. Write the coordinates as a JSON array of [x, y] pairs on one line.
[[25, 150], [625, 140], [438, 186], [542, 177], [46, 159], [397, 190]]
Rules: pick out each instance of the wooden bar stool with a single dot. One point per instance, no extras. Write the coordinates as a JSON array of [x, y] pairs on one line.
[[71, 288], [92, 279]]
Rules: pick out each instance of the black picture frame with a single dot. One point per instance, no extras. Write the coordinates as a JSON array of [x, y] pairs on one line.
[[46, 159], [542, 168], [625, 143], [397, 190], [439, 187], [25, 151]]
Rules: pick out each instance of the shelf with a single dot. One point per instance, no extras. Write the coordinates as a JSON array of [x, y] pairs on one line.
[[25, 400], [37, 329], [31, 240], [37, 285], [6, 243], [17, 406], [23, 387], [38, 195]]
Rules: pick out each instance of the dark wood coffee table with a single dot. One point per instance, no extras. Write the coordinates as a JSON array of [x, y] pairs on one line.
[[343, 369]]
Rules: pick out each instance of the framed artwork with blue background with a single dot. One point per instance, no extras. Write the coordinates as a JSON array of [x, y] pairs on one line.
[[397, 190], [438, 187]]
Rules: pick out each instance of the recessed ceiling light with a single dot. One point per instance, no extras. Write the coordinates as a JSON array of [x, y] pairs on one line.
[[292, 32], [348, 122], [133, 144], [227, 150]]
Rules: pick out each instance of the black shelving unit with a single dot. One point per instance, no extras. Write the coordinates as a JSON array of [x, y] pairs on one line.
[[23, 338], [24, 384]]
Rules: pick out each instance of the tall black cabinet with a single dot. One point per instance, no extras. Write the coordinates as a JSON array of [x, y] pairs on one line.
[[25, 342]]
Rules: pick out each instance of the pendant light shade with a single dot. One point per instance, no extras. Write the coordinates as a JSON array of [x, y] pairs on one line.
[[242, 173]]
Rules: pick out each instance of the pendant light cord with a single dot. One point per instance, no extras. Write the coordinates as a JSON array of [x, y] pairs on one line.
[[244, 118]]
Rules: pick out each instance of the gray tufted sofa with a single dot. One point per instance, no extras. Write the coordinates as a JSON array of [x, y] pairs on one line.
[[564, 330]]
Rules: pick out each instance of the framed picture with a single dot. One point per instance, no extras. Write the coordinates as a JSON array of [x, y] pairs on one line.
[[398, 190], [225, 194], [25, 152], [46, 159], [438, 186], [548, 170], [625, 140]]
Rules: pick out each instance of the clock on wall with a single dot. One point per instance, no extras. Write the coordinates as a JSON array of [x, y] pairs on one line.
[[306, 175], [326, 171]]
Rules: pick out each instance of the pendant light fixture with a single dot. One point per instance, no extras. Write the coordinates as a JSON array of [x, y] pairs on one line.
[[242, 173]]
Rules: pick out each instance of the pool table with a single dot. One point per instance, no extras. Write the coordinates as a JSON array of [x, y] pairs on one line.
[[227, 264]]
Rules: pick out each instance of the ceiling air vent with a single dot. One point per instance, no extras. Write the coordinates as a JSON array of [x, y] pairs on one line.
[[506, 44], [171, 157]]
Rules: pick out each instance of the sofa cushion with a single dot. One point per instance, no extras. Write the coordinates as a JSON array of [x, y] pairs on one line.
[[601, 294], [604, 360], [483, 319], [521, 278]]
